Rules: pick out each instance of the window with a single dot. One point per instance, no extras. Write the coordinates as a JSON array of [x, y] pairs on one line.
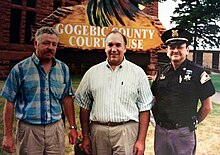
[[30, 20], [15, 22], [18, 2], [198, 57], [215, 60], [16, 30], [57, 4], [31, 3]]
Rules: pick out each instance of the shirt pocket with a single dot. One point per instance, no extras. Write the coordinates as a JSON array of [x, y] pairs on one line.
[[128, 92], [31, 90], [186, 87], [58, 89]]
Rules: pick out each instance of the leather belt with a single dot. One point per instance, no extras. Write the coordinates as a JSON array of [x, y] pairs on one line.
[[110, 123], [172, 126]]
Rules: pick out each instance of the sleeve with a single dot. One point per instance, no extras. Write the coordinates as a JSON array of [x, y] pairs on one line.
[[83, 95], [206, 87], [68, 91], [154, 84], [145, 97], [11, 85]]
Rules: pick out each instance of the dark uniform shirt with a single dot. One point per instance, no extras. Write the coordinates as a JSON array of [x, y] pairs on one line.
[[177, 92]]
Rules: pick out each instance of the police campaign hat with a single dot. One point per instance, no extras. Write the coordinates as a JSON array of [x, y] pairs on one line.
[[176, 36]]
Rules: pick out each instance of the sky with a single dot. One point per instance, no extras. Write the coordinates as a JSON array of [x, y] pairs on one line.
[[165, 11]]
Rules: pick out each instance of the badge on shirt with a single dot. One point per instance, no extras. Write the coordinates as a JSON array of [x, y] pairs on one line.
[[162, 77], [188, 75], [180, 79], [204, 77]]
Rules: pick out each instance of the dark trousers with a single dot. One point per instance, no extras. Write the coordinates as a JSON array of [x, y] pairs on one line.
[[180, 141]]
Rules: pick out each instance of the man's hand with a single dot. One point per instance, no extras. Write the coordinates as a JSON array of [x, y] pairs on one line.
[[139, 148], [8, 144], [151, 77], [86, 144], [73, 135]]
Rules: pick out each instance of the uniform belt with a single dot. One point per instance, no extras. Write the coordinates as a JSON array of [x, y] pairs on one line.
[[172, 126], [110, 123]]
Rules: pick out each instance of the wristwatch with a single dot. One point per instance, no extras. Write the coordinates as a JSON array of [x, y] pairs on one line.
[[73, 127]]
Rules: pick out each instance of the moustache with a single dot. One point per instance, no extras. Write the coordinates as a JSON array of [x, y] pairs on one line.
[[49, 51], [176, 53]]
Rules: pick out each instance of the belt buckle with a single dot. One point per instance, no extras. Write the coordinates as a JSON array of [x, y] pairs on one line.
[[109, 123], [177, 126]]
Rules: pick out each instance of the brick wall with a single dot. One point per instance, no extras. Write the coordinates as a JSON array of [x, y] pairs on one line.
[[152, 68], [4, 20], [207, 60], [152, 9], [4, 68], [14, 52], [11, 52]]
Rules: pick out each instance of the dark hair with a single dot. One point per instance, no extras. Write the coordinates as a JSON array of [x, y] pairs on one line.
[[46, 29], [116, 31]]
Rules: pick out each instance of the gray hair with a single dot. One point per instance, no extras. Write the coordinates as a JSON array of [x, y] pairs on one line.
[[47, 30]]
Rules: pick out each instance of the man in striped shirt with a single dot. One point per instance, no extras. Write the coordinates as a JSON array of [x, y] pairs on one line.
[[114, 98], [36, 87]]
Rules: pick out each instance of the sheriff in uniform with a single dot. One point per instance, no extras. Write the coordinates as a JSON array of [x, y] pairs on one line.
[[177, 89]]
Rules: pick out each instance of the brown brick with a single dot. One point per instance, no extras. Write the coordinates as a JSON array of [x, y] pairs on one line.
[[10, 52]]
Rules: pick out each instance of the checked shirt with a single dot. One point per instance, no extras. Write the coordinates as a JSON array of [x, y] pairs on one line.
[[35, 94]]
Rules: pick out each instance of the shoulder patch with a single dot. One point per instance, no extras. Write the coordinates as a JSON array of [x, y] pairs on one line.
[[204, 77]]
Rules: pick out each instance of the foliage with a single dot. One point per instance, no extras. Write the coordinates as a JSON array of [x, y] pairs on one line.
[[200, 18], [1, 120]]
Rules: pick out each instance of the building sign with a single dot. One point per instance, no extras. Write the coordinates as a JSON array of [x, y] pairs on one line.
[[84, 36]]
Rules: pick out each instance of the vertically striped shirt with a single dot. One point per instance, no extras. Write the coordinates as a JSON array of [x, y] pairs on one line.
[[35, 94], [114, 96]]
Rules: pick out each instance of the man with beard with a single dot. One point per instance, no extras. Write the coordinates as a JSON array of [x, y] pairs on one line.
[[37, 88], [114, 98], [177, 89]]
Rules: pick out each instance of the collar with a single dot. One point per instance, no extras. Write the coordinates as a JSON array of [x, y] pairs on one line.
[[169, 68], [37, 61], [183, 65], [119, 66]]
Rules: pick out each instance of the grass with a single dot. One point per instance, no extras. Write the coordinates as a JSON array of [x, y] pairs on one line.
[[216, 81], [69, 148], [208, 131]]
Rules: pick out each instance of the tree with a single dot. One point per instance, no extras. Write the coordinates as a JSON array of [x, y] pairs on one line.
[[200, 17]]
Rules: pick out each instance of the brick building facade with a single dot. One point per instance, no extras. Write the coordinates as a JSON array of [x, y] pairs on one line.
[[16, 19]]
